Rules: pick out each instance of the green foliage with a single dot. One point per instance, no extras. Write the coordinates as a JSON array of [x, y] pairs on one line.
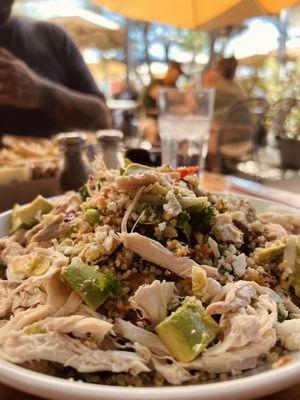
[[274, 85], [292, 124], [193, 40]]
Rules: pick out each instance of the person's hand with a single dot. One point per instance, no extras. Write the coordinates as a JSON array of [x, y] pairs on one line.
[[20, 86]]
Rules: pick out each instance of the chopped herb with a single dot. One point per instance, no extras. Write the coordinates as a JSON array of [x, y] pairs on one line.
[[83, 193], [222, 270], [202, 217], [183, 223], [2, 270]]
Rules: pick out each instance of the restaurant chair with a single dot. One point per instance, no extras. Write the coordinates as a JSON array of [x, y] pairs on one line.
[[274, 161], [238, 136]]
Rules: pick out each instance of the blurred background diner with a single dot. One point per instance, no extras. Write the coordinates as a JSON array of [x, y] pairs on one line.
[[88, 66]]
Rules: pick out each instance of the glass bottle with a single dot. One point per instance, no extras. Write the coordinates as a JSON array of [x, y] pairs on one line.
[[75, 171], [110, 148]]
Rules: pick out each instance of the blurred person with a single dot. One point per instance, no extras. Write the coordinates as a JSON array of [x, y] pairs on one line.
[[45, 85], [149, 126], [123, 90], [168, 81], [228, 92]]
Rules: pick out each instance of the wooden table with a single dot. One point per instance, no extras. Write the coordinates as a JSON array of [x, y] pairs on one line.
[[212, 182]]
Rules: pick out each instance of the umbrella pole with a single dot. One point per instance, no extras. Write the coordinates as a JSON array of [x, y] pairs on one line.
[[127, 51], [283, 26]]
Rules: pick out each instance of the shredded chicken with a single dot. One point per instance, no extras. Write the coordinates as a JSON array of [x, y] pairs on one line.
[[68, 203], [29, 297], [274, 231], [225, 230], [249, 315], [135, 181], [154, 300], [172, 371], [10, 249], [130, 209], [139, 335], [6, 297], [48, 231], [289, 333], [57, 295], [153, 251], [78, 325], [290, 222], [63, 349]]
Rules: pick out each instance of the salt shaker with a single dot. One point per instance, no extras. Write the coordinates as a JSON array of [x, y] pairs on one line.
[[110, 143], [75, 170]]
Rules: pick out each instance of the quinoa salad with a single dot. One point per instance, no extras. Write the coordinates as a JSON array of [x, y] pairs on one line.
[[143, 279]]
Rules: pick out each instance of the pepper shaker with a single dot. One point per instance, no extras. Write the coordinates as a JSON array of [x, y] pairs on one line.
[[75, 170]]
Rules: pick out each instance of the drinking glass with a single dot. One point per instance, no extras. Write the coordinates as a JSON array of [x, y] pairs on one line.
[[184, 125]]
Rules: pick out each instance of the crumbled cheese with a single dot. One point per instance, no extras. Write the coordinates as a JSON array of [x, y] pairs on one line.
[[162, 226], [112, 206], [213, 245], [225, 230], [172, 207], [289, 254], [240, 265]]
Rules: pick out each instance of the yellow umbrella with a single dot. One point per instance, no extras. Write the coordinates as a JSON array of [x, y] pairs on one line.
[[205, 14]]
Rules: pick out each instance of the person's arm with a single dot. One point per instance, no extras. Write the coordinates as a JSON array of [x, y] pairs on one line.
[[73, 110], [21, 87]]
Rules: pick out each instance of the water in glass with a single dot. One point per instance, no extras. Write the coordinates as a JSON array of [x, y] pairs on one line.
[[184, 126]]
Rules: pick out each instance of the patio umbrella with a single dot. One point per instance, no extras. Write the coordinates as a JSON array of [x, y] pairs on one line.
[[88, 34], [193, 14]]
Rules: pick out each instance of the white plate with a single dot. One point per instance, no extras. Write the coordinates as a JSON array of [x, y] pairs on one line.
[[251, 385]]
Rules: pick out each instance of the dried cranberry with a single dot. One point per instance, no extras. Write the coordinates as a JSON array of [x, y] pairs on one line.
[[70, 216]]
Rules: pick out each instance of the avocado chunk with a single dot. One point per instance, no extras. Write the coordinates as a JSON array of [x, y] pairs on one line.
[[296, 276], [138, 169], [275, 254], [93, 286], [34, 329], [26, 216], [187, 331], [270, 254]]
